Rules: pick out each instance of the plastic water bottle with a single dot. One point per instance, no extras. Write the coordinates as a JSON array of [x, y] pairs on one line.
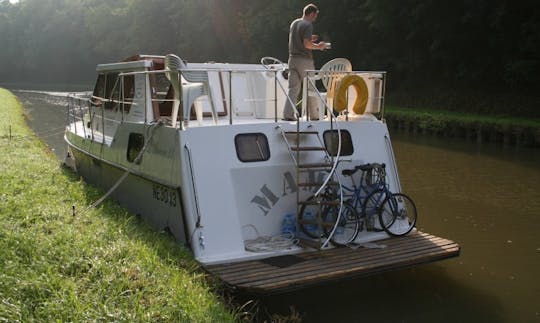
[[288, 225], [340, 229], [370, 221], [311, 228]]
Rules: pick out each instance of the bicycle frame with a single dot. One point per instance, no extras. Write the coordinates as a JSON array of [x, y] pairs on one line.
[[357, 194]]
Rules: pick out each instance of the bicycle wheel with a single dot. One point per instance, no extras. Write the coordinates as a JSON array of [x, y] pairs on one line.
[[310, 212], [347, 227], [397, 214], [370, 209]]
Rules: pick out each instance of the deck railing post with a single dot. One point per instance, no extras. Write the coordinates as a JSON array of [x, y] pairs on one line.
[[230, 98], [91, 120], [68, 111], [122, 94], [275, 97], [181, 99], [82, 116], [304, 98], [381, 102], [103, 124]]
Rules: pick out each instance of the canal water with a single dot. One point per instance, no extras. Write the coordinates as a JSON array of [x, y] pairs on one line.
[[485, 197]]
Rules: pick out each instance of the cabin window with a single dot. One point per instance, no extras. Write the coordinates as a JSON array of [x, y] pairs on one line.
[[106, 91], [163, 94], [135, 145], [111, 91], [99, 91], [252, 147], [129, 92], [331, 141], [162, 86]]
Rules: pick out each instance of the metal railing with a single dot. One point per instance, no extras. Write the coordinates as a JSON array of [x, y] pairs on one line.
[[226, 94]]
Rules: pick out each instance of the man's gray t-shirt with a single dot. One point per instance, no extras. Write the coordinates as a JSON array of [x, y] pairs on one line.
[[300, 29]]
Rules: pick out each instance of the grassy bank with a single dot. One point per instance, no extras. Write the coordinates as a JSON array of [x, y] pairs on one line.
[[63, 264], [481, 128]]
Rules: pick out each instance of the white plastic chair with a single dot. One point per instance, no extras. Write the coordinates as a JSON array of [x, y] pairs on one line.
[[175, 63], [336, 65], [330, 73]]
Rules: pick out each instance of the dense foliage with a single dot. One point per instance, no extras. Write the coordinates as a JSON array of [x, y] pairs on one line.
[[461, 44]]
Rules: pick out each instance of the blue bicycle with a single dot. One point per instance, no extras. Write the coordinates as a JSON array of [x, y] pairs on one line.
[[368, 194], [365, 201], [368, 200]]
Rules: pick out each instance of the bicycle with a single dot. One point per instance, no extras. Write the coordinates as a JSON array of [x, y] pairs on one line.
[[325, 208], [372, 198], [344, 217], [366, 196]]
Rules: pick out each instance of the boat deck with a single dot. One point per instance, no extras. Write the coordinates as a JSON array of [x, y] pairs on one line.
[[289, 272]]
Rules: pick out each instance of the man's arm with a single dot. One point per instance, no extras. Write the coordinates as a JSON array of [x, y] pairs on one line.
[[309, 44]]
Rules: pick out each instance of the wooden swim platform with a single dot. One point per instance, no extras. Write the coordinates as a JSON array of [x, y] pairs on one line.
[[290, 272]]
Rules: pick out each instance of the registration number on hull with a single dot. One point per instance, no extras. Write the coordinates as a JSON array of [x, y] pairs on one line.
[[164, 194]]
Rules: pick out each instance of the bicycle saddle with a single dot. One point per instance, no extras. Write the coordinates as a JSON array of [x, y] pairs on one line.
[[364, 168], [348, 172]]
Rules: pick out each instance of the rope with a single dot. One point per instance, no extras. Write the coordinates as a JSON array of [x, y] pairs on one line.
[[269, 243], [128, 171]]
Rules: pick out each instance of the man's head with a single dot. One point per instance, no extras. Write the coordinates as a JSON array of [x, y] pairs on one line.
[[310, 12]]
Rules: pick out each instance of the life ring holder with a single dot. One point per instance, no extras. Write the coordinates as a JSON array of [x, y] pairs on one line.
[[340, 95]]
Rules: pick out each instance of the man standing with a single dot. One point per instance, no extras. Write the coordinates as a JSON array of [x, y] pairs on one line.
[[301, 43]]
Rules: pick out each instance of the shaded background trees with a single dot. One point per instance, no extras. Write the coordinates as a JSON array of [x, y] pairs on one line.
[[437, 52]]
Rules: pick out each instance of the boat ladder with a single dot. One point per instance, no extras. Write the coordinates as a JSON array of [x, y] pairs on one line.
[[314, 171]]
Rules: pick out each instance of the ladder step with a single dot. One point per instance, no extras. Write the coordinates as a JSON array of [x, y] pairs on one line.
[[315, 244], [313, 148], [324, 224], [311, 184], [302, 132], [316, 165], [320, 202]]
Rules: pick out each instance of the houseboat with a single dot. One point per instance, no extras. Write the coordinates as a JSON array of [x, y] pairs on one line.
[[200, 150]]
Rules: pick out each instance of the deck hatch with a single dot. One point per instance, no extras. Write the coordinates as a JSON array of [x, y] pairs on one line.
[[283, 261]]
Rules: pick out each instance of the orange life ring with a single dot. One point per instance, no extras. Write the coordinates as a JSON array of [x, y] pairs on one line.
[[340, 96]]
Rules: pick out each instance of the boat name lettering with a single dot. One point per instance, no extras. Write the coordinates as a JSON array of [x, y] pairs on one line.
[[269, 198], [164, 194]]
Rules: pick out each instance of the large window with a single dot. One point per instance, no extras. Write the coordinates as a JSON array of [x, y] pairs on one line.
[[129, 92], [331, 141], [162, 93], [252, 147], [99, 89], [109, 91], [106, 91], [162, 86]]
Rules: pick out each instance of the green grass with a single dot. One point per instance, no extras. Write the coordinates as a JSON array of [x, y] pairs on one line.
[[511, 130], [99, 265], [462, 117]]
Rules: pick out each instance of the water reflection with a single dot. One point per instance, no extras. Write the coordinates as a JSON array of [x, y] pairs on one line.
[[46, 113], [405, 296], [485, 197]]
